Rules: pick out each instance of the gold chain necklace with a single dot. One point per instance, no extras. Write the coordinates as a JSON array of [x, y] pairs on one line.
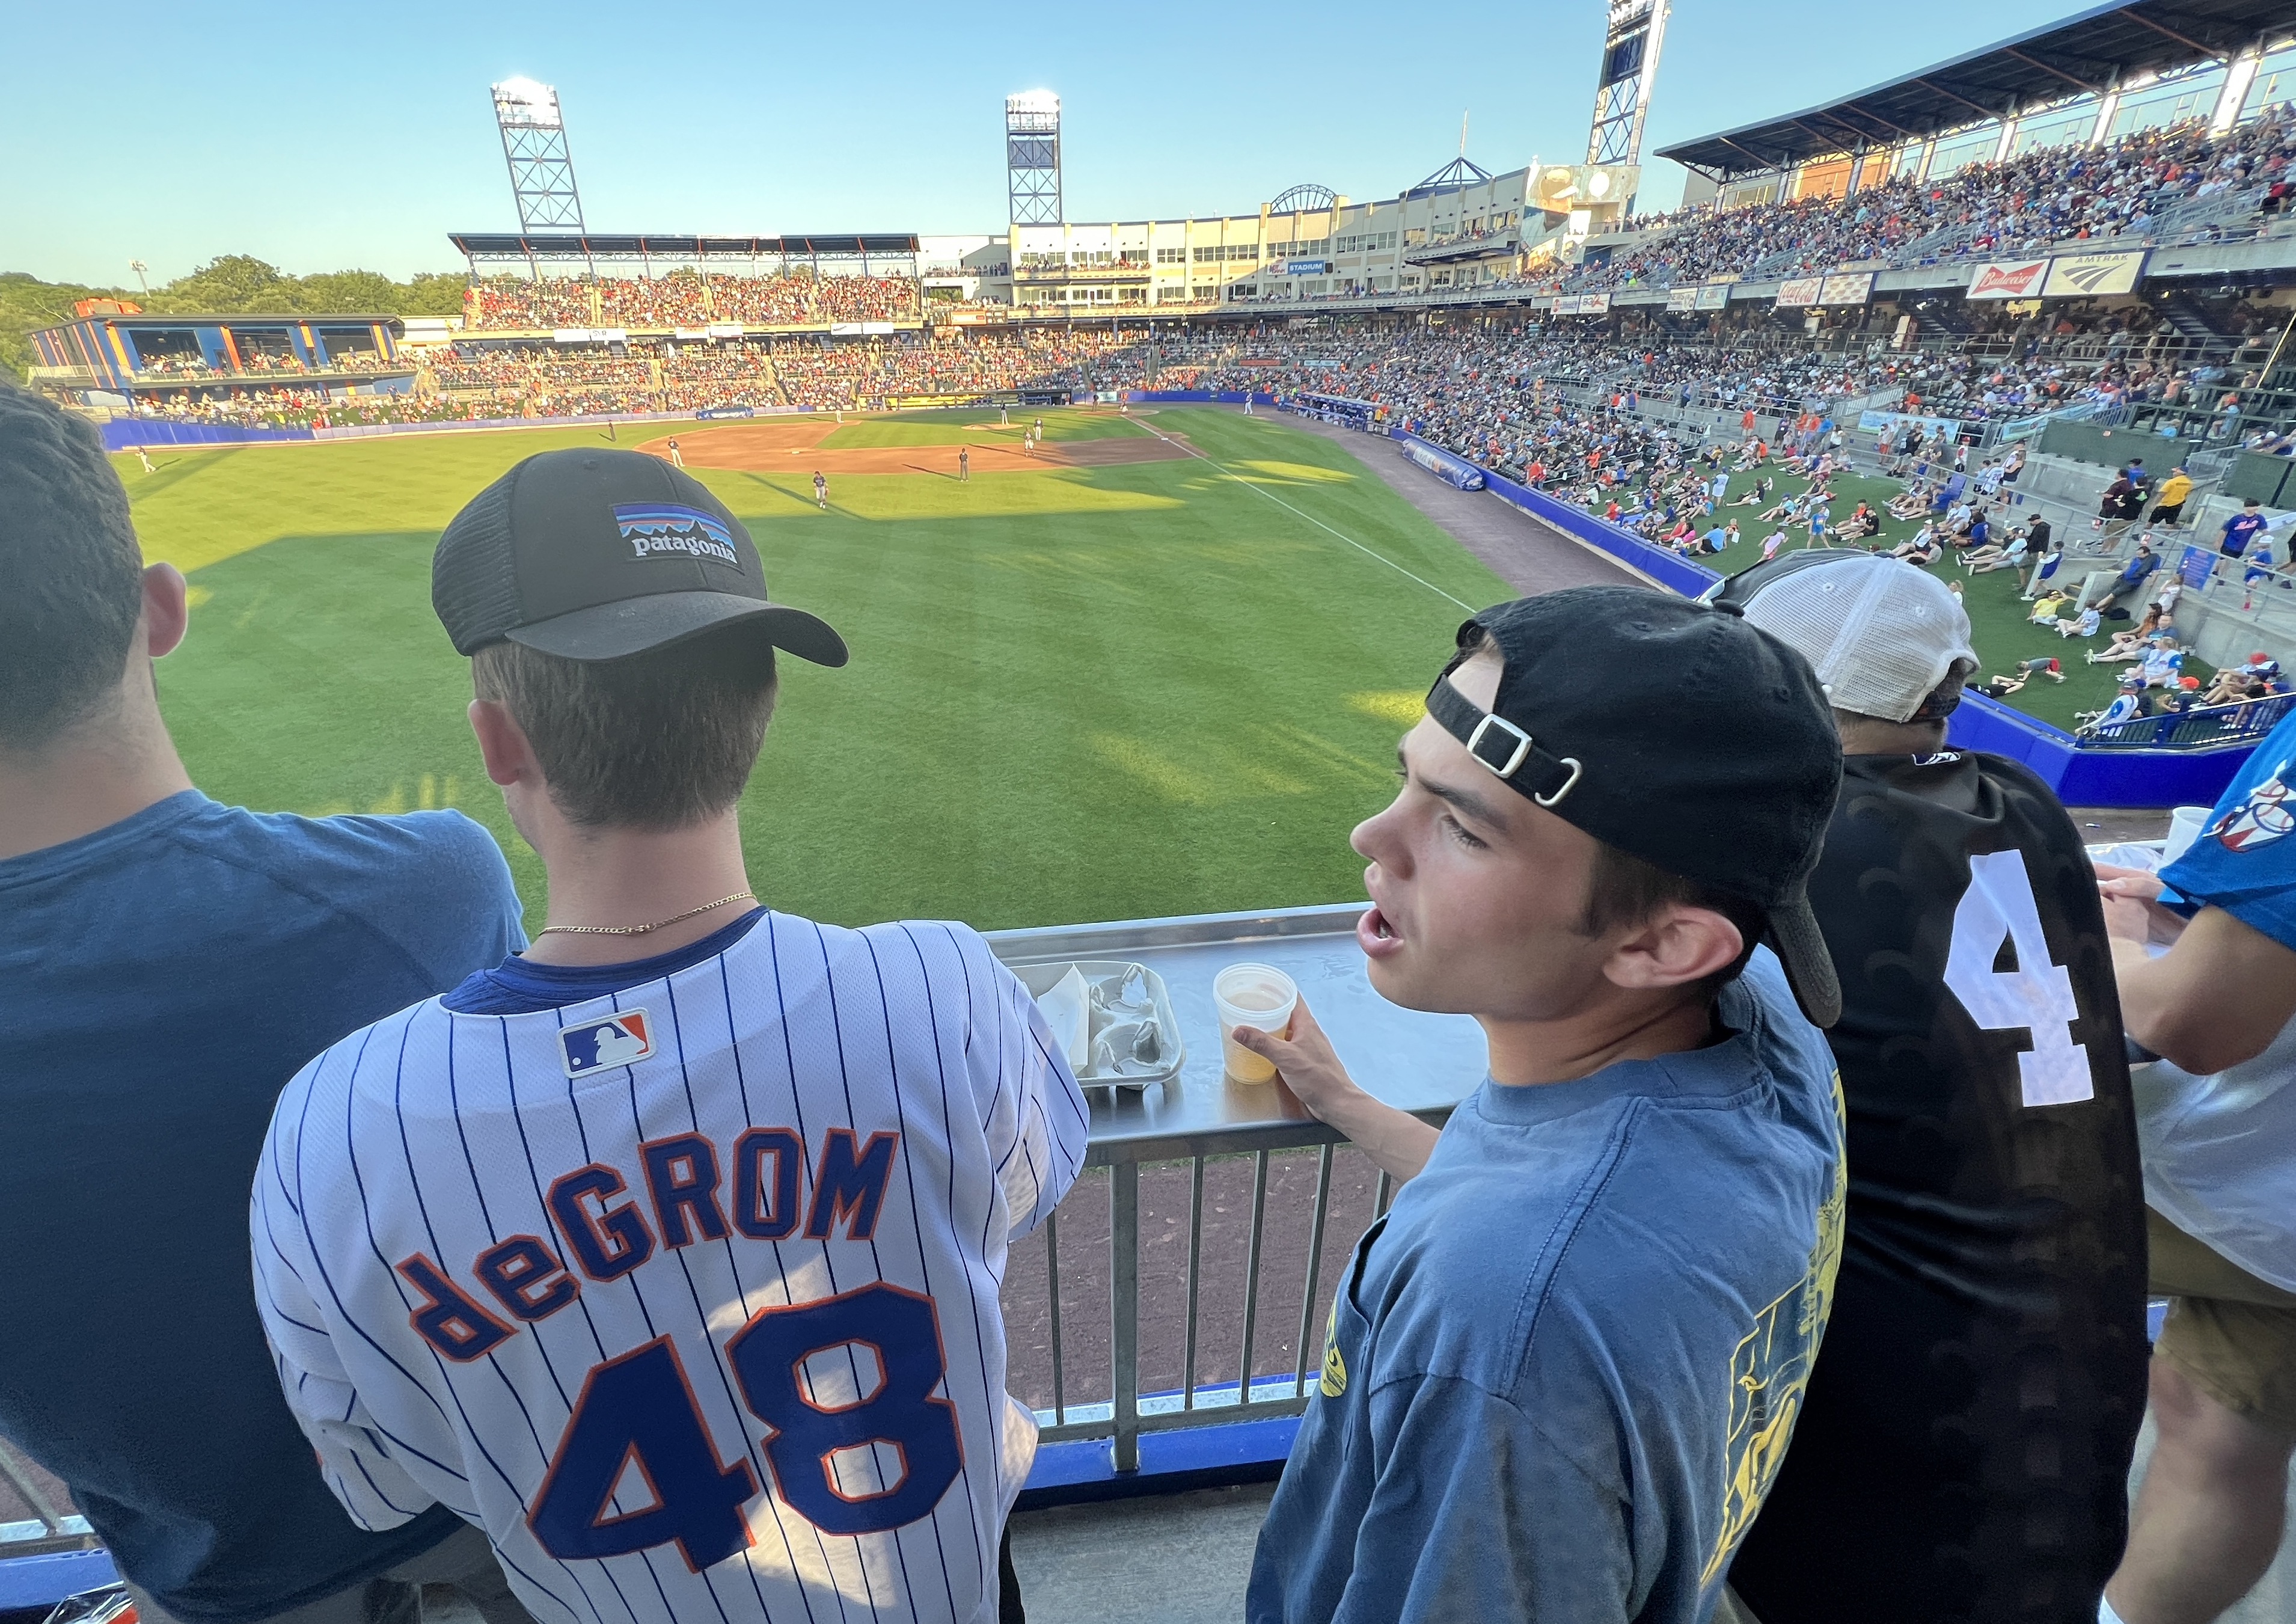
[[641, 930]]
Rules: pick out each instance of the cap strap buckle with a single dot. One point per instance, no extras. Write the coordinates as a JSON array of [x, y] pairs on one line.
[[1568, 783], [1514, 760]]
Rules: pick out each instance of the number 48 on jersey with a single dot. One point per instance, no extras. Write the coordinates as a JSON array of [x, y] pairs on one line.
[[638, 1414]]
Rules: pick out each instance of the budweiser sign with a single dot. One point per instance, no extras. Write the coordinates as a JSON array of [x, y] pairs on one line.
[[2007, 279]]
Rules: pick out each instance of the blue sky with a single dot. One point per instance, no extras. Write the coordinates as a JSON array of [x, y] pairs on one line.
[[319, 140]]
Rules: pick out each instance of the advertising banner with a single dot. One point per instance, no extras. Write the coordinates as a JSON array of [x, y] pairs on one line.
[[2073, 275], [590, 335], [1443, 465], [724, 330], [2007, 279], [1682, 299], [1797, 292], [1714, 296], [1846, 288]]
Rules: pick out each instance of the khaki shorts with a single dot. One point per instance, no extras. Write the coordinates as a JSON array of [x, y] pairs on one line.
[[2231, 1334]]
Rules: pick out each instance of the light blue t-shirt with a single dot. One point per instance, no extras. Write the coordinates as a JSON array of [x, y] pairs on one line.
[[2220, 1151], [1560, 1374]]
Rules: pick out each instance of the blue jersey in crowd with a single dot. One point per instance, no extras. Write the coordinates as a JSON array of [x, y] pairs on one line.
[[1560, 1376], [166, 976], [2239, 530]]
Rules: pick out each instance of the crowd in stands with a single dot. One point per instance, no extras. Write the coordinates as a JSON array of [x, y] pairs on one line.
[[1485, 390], [687, 298], [264, 363], [2054, 194]]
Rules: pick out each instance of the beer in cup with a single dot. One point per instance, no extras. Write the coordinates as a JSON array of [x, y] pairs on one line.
[[1252, 995]]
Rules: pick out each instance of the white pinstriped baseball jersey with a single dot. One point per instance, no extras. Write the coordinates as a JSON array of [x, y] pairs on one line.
[[687, 1296]]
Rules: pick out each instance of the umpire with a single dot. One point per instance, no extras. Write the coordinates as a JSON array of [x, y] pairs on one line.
[[1963, 1452]]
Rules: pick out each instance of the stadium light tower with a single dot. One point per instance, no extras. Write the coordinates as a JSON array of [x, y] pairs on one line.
[[1032, 157], [534, 145], [1629, 63]]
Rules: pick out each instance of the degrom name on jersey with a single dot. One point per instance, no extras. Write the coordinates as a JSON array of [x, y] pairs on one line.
[[687, 1296]]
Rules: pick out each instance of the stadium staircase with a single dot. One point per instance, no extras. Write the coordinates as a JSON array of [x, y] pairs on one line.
[[2190, 318]]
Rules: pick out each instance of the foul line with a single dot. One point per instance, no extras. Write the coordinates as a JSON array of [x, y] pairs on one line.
[[1310, 518]]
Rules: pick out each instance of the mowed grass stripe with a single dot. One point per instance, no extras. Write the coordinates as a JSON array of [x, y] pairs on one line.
[[1086, 693]]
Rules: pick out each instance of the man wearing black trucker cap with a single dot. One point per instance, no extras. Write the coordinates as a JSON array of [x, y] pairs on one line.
[[1558, 1374], [668, 1251]]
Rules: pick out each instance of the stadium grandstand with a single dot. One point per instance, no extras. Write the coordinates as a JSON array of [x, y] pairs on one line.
[[2077, 233]]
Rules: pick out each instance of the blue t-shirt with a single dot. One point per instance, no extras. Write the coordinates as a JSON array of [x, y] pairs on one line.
[[2218, 1162], [1560, 1374], [2240, 530], [165, 977]]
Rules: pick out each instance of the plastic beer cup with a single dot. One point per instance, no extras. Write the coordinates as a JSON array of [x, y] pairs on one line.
[[1252, 995]]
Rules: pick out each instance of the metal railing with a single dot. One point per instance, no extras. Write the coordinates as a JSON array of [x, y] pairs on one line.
[[50, 1528], [2241, 721], [1142, 1400]]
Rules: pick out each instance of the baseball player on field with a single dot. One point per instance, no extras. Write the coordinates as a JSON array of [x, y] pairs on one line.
[[666, 1254]]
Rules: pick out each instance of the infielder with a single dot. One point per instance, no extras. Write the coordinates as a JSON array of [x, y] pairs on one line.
[[668, 1253]]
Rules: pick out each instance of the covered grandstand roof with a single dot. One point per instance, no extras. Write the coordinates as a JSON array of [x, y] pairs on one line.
[[2081, 55], [600, 245]]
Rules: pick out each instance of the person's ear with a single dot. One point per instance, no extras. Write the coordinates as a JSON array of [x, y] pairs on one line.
[[503, 745], [1675, 946], [167, 610]]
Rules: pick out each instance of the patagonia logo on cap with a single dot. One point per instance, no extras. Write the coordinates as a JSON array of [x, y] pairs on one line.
[[667, 528]]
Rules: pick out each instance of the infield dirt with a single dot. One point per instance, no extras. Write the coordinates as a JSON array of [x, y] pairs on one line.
[[768, 447]]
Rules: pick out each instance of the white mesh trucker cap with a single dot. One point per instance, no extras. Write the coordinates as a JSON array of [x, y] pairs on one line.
[[1882, 634]]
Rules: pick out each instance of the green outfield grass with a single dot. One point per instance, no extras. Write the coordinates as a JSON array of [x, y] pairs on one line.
[[1075, 695]]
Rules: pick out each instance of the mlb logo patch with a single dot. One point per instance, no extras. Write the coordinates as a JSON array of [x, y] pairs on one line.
[[603, 1046]]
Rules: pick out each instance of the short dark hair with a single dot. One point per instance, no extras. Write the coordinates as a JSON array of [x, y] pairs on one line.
[[1626, 890], [74, 575], [659, 740]]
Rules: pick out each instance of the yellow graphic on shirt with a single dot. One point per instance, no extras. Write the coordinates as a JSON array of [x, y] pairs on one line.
[[1335, 1368], [1770, 1371]]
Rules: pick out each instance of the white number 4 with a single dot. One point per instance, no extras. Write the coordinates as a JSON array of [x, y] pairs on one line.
[[2038, 995]]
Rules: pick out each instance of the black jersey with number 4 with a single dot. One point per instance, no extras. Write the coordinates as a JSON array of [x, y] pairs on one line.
[[1963, 1450]]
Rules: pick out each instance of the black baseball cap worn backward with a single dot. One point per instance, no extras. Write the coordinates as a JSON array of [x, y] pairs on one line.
[[599, 555], [1675, 732]]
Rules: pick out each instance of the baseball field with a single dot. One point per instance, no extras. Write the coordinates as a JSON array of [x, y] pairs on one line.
[[1158, 666]]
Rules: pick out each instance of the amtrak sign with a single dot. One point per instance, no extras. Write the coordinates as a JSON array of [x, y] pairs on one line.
[[2093, 275]]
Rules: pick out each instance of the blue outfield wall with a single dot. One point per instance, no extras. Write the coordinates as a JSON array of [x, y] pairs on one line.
[[1197, 398], [2086, 777], [1668, 569]]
